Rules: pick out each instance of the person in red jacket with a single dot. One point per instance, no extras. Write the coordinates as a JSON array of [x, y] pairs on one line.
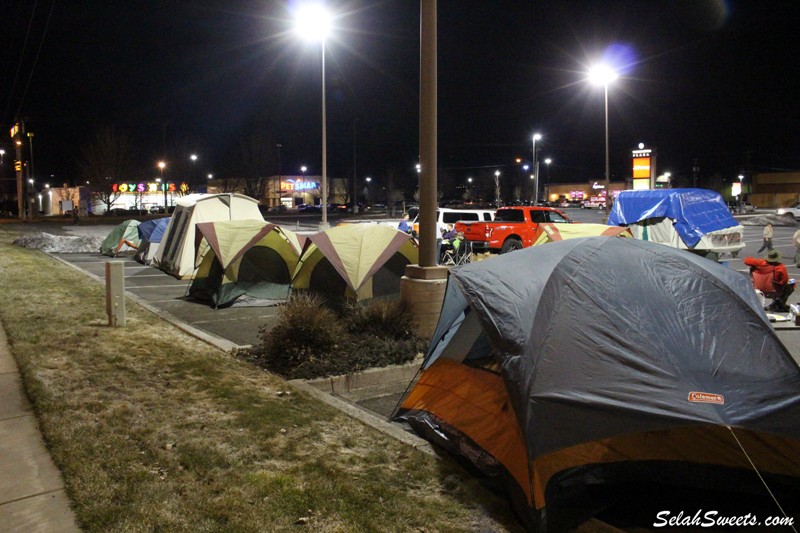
[[770, 277]]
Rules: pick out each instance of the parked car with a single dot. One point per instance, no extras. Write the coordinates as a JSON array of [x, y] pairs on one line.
[[593, 203], [446, 216], [793, 211], [513, 228]]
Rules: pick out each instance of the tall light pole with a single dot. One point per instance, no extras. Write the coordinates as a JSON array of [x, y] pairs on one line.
[[161, 166], [547, 183], [355, 179], [604, 75], [497, 188], [280, 180], [313, 22], [193, 157], [535, 162]]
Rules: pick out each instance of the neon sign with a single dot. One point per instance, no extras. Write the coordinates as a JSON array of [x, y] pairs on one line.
[[299, 185], [148, 187]]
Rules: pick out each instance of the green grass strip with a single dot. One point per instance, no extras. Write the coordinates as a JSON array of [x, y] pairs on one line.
[[155, 430]]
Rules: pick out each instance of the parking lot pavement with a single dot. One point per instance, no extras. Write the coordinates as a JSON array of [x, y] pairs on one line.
[[232, 327]]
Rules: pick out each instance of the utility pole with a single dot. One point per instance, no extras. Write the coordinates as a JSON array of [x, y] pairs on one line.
[[31, 178], [16, 132]]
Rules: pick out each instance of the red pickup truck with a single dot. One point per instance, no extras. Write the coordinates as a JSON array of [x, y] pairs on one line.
[[513, 228]]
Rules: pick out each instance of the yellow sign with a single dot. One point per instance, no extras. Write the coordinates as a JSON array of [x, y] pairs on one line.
[[18, 166], [14, 130], [641, 167]]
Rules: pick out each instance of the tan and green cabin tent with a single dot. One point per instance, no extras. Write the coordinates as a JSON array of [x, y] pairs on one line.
[[176, 253], [123, 238], [244, 257], [355, 262], [558, 232]]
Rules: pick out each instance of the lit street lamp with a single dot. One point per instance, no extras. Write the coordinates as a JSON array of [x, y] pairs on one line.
[[497, 188], [161, 166], [313, 23], [193, 157], [603, 75], [547, 183]]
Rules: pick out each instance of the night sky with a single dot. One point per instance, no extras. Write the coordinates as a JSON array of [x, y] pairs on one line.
[[712, 80]]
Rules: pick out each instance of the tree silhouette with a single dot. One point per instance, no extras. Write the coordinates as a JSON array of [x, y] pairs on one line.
[[107, 159]]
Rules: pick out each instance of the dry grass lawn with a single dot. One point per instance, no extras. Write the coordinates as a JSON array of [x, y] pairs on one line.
[[157, 431]]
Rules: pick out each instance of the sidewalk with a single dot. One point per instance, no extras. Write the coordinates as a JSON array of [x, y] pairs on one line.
[[32, 496]]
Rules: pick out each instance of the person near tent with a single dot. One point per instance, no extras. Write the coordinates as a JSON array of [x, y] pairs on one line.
[[767, 244], [404, 226], [796, 242], [450, 234], [770, 277]]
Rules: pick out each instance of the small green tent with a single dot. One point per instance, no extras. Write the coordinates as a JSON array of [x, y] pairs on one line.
[[123, 238], [355, 262], [244, 257]]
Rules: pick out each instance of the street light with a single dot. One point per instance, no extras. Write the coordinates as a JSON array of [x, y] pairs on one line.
[[603, 75], [368, 179], [497, 188], [313, 22], [547, 183], [536, 137], [193, 157], [161, 166]]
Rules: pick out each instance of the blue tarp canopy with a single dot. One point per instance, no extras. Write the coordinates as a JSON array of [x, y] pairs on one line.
[[153, 230], [694, 212]]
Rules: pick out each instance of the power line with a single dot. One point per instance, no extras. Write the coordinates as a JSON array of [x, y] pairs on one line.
[[36, 59], [19, 65]]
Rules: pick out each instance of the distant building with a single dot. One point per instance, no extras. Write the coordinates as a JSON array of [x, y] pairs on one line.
[[556, 192], [773, 189]]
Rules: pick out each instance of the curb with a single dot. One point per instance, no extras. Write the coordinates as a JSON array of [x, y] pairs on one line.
[[315, 388], [365, 417], [218, 342]]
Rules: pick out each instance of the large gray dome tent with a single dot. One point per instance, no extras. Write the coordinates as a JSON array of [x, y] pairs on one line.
[[596, 372]]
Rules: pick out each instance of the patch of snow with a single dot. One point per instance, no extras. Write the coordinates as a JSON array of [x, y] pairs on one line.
[[761, 220], [46, 242]]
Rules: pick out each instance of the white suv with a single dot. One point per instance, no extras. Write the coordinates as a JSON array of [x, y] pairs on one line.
[[446, 216], [793, 210]]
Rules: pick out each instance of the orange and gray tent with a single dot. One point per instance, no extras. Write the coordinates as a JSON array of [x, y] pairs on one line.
[[598, 374], [355, 262], [123, 238], [558, 232], [244, 257]]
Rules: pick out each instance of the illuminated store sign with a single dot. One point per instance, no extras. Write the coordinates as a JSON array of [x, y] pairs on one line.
[[148, 187], [299, 185], [644, 163]]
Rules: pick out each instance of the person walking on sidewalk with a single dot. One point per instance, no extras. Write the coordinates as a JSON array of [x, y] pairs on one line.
[[796, 242], [767, 245]]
